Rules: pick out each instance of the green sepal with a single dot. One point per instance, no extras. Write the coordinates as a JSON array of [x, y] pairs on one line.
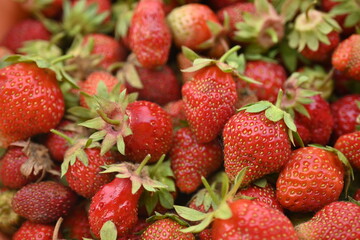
[[201, 226], [45, 49], [349, 7], [129, 74], [189, 54], [262, 182], [189, 213], [354, 201], [171, 216], [108, 231], [123, 13]]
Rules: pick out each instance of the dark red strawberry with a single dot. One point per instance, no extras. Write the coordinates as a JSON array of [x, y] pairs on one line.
[[30, 230], [31, 102], [76, 225], [25, 30], [357, 195], [349, 145], [312, 178], [191, 160], [345, 112], [149, 35], [337, 220]]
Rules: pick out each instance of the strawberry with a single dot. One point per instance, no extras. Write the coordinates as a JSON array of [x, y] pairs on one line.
[[9, 220], [345, 12], [346, 57], [149, 35], [76, 225], [348, 144], [345, 112], [43, 202], [3, 236], [103, 6], [24, 163], [184, 63], [141, 225], [4, 51], [217, 4], [337, 220], [30, 230], [357, 195], [23, 31], [191, 160], [176, 112], [205, 234], [313, 178], [31, 102], [50, 9], [194, 25]]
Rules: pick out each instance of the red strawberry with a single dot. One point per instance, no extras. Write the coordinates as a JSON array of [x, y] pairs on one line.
[[149, 35], [191, 160], [51, 9], [348, 144], [31, 102], [76, 225], [312, 178], [357, 195], [190, 26], [217, 4], [141, 225], [337, 220], [345, 112], [176, 112], [206, 234], [43, 202], [30, 230], [108, 48], [346, 57], [25, 30]]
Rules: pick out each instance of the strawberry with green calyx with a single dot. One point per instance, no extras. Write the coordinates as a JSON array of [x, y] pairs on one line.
[[117, 201], [312, 34], [45, 49], [213, 84], [9, 220], [313, 178], [165, 227], [139, 127], [25, 162], [251, 135], [348, 11], [163, 198], [348, 144]]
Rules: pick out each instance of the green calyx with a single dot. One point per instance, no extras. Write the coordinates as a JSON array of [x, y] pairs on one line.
[[45, 49], [349, 7], [215, 29], [128, 73], [9, 220], [230, 62], [311, 28], [123, 12], [137, 173]]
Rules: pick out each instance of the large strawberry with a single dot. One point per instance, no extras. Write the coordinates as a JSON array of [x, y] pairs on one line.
[[337, 220], [348, 144], [31, 102], [43, 202], [149, 35], [191, 160], [30, 230]]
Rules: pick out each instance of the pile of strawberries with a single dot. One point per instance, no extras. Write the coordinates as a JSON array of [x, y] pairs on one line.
[[180, 119]]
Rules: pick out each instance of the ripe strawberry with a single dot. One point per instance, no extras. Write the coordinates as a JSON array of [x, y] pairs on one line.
[[190, 26], [345, 112], [337, 220], [159, 85], [108, 48], [30, 230], [103, 6], [205, 234], [76, 225], [31, 102], [191, 160], [25, 30], [346, 57], [140, 226], [348, 144], [312, 178], [43, 202], [217, 4], [149, 35], [357, 195]]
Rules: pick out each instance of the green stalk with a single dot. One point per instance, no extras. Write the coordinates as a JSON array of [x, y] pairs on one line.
[[228, 53], [107, 119], [63, 135], [142, 164]]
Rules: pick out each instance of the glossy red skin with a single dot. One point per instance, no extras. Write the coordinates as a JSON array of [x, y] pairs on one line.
[[10, 164], [34, 231], [43, 202], [87, 180], [271, 75], [206, 234], [345, 111], [25, 30], [109, 48], [76, 225], [265, 195], [160, 85], [191, 160], [209, 102], [357, 195], [152, 131], [337, 220], [311, 179], [31, 102], [115, 202], [349, 145], [251, 140], [317, 128], [149, 35], [324, 51], [252, 220], [57, 145], [165, 229], [188, 24]]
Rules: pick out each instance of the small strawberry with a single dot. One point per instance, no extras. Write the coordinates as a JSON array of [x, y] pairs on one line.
[[357, 195], [9, 220], [23, 31], [313, 178], [191, 160], [337, 220], [149, 35], [43, 202], [345, 112], [30, 230], [76, 225], [348, 144]]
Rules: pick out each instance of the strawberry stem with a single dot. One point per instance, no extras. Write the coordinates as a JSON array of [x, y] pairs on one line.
[[57, 229], [279, 98], [210, 191], [237, 183], [107, 119], [61, 59], [228, 53], [63, 135], [142, 164], [311, 6], [159, 162], [274, 37]]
